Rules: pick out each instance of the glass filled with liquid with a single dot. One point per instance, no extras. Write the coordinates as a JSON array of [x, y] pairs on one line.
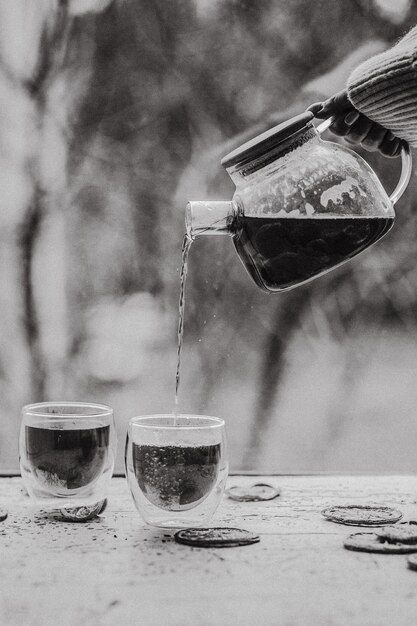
[[67, 452], [176, 468]]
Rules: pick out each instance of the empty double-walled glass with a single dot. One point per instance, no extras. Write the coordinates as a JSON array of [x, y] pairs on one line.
[[67, 452], [176, 468]]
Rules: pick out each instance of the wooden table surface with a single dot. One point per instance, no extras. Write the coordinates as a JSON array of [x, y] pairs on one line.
[[116, 571]]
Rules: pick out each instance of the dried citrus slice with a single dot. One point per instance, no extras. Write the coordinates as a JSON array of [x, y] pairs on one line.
[[401, 533], [83, 513], [217, 537], [362, 515], [253, 493], [372, 542]]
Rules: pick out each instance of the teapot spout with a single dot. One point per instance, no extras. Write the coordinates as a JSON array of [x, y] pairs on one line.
[[210, 218]]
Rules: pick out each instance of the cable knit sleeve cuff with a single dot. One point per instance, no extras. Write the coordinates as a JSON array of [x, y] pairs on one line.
[[384, 88]]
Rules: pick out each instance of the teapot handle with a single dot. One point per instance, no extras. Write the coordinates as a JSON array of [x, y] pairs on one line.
[[406, 164]]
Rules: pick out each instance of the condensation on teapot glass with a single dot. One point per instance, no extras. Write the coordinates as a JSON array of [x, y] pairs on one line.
[[306, 176], [315, 179]]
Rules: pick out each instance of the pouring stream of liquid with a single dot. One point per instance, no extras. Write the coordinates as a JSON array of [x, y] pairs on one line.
[[186, 244]]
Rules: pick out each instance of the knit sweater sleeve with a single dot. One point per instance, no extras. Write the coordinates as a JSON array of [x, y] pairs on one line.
[[384, 88]]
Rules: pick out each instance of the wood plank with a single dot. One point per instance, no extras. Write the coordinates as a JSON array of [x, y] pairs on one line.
[[117, 571]]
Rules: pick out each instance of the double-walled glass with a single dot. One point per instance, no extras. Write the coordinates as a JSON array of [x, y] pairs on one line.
[[67, 452], [176, 468]]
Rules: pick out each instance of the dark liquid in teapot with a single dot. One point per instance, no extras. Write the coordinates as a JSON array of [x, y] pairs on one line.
[[281, 253]]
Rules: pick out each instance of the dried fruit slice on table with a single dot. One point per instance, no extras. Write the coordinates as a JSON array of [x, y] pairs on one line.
[[372, 542], [216, 537], [83, 513], [254, 493], [362, 515], [401, 533]]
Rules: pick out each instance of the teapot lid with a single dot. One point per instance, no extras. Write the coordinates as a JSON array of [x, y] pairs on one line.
[[267, 140]]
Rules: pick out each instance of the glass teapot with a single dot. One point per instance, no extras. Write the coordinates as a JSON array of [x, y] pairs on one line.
[[302, 206]]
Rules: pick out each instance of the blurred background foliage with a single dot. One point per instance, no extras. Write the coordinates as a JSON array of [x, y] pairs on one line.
[[114, 114]]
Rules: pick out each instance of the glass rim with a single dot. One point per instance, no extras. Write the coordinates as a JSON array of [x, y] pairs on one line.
[[146, 421], [38, 409]]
